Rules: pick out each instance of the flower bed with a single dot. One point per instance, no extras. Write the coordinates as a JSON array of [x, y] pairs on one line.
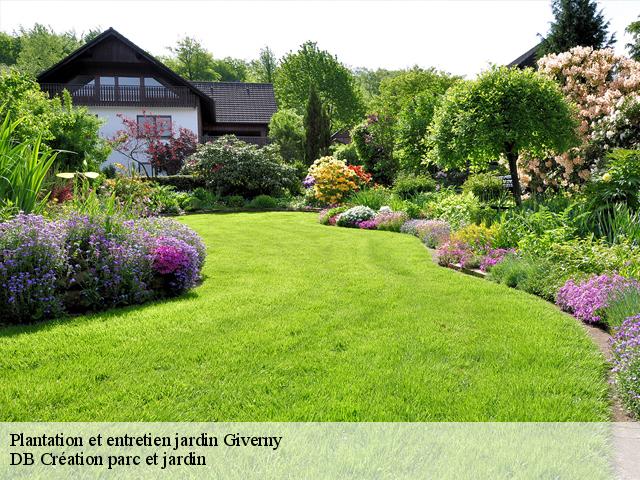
[[626, 355], [81, 263]]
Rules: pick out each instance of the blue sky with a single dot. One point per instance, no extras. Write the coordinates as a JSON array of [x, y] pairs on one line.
[[462, 37]]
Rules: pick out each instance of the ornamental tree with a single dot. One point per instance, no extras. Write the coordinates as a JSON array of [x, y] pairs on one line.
[[599, 82], [335, 84], [155, 143], [500, 114], [317, 128]]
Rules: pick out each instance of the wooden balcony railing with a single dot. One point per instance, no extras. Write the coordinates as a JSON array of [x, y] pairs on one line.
[[122, 95]]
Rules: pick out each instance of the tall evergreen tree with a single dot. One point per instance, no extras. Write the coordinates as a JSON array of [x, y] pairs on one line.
[[634, 46], [317, 128], [576, 23]]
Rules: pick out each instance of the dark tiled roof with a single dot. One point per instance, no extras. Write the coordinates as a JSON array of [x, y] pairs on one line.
[[527, 59], [237, 102]]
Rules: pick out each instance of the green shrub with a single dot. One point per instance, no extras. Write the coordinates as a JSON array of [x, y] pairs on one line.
[[182, 183], [233, 201], [232, 167], [347, 153], [263, 202], [625, 305], [512, 271], [457, 210], [373, 198], [351, 218], [486, 186], [407, 186]]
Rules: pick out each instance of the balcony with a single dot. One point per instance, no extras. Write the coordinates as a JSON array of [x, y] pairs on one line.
[[124, 95]]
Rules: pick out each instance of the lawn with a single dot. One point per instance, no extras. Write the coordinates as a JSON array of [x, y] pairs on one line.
[[296, 321]]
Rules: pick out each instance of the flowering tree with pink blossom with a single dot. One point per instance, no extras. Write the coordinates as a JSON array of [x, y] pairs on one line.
[[598, 82], [154, 143]]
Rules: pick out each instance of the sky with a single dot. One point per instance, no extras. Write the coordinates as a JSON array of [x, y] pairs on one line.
[[462, 37]]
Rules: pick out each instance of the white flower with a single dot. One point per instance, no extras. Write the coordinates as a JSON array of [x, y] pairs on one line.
[[385, 209]]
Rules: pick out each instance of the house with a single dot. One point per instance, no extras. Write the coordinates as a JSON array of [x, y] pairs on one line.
[[527, 59], [112, 76]]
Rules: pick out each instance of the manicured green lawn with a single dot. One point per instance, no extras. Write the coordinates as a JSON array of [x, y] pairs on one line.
[[301, 322]]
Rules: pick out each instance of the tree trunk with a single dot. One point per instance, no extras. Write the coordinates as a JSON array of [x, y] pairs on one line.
[[512, 157]]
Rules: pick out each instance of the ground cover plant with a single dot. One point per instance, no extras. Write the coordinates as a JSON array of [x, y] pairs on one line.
[[282, 331]]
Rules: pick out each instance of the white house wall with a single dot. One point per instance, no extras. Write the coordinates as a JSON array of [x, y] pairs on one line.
[[180, 118]]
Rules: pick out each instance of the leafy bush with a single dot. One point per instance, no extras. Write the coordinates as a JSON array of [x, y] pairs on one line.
[[232, 167], [514, 271], [433, 233], [486, 186], [479, 238], [286, 129], [457, 210], [374, 198], [347, 153], [351, 217], [203, 199], [263, 202], [390, 221], [233, 201], [182, 183], [407, 186], [72, 130], [82, 263], [626, 360], [374, 145], [589, 299]]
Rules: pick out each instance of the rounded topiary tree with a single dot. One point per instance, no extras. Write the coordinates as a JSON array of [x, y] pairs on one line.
[[503, 112]]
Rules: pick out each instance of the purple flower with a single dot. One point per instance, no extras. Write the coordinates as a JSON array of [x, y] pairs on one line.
[[586, 300], [495, 256], [626, 361], [309, 181], [367, 224], [177, 259]]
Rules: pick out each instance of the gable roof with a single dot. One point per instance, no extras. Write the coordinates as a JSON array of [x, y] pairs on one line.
[[112, 33], [527, 59], [238, 102]]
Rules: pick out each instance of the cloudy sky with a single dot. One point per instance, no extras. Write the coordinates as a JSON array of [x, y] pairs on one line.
[[458, 36]]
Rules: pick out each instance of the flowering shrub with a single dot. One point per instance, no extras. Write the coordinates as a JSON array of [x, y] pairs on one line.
[[326, 215], [333, 180], [479, 238], [177, 261], [452, 253], [353, 216], [596, 81], [82, 263], [626, 360], [411, 226], [32, 260], [494, 256], [433, 233], [391, 221], [587, 300], [232, 167]]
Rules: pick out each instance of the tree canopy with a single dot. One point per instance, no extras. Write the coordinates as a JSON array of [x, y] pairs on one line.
[[335, 84], [192, 61], [576, 23], [634, 46], [263, 69], [500, 114], [287, 130], [33, 50]]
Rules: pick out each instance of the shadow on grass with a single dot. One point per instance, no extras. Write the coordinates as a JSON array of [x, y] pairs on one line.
[[11, 330]]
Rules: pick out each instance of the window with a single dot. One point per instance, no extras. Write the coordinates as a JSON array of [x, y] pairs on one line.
[[160, 122], [151, 82]]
